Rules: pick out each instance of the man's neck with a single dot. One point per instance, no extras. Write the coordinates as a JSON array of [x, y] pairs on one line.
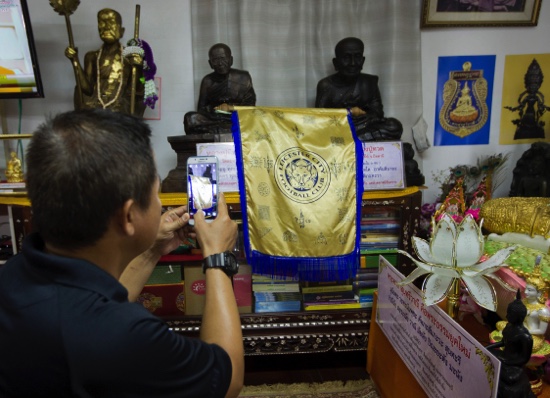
[[105, 254]]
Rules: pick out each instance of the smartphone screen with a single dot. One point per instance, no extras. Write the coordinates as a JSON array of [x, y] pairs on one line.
[[202, 186]]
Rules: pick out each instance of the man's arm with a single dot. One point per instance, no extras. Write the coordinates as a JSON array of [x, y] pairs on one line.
[[169, 236], [221, 323]]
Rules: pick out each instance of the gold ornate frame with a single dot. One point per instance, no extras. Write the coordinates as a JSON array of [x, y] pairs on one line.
[[431, 18]]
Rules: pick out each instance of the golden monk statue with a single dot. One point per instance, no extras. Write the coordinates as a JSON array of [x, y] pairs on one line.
[[105, 81], [14, 171]]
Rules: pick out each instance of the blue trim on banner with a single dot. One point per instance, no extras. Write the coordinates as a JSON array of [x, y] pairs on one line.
[[236, 130], [306, 268], [358, 191]]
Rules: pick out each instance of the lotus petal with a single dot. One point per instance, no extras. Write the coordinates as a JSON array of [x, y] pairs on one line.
[[422, 249], [449, 220], [442, 243], [433, 268], [491, 264], [469, 243], [413, 275], [435, 288], [482, 292]]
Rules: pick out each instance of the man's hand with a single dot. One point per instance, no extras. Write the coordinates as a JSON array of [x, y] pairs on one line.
[[218, 236], [173, 231]]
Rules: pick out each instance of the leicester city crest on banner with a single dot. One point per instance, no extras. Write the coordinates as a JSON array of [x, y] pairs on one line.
[[302, 176], [464, 108]]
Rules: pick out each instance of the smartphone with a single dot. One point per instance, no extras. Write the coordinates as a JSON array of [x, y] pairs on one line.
[[202, 187]]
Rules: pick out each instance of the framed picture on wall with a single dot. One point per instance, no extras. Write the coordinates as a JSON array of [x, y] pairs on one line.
[[457, 13]]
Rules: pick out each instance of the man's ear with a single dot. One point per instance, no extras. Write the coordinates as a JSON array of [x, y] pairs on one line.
[[231, 61], [335, 63], [122, 29], [127, 217]]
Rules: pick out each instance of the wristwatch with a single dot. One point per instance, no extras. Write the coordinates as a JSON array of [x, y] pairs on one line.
[[226, 261]]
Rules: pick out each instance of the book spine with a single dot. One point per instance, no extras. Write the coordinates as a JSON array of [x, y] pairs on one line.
[[329, 302], [366, 276], [332, 306], [324, 289], [365, 284], [275, 288], [277, 306], [277, 296], [328, 296], [11, 185], [367, 292]]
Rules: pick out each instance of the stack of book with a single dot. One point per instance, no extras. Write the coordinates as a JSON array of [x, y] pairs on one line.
[[365, 283], [379, 228], [276, 295], [334, 296]]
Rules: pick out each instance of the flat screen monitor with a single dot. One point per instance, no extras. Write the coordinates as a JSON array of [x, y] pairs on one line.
[[19, 72]]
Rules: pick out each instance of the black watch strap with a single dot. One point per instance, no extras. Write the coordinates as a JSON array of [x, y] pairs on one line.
[[225, 261]]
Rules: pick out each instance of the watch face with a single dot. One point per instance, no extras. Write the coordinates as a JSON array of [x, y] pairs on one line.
[[231, 264]]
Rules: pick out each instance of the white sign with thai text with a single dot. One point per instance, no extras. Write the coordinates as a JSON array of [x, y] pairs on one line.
[[383, 165], [443, 357], [227, 169]]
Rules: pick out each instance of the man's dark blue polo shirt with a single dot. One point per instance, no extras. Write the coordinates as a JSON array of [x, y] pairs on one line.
[[67, 329]]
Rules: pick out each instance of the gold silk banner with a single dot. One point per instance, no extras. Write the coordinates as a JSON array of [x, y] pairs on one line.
[[298, 180]]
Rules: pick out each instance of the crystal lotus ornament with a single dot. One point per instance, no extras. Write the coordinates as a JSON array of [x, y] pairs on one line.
[[453, 255]]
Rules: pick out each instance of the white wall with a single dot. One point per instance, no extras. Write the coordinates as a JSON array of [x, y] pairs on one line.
[[166, 26], [476, 41]]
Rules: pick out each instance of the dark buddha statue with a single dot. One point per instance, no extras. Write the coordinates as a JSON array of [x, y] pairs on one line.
[[530, 105], [514, 351], [531, 176], [219, 92], [358, 92]]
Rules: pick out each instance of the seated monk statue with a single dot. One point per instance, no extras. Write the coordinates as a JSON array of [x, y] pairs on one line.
[[219, 92], [358, 92]]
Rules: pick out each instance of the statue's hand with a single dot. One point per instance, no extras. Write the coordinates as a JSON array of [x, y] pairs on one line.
[[135, 59], [356, 111], [71, 53], [224, 107]]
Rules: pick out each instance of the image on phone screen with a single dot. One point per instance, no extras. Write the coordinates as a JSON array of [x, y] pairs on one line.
[[202, 186]]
